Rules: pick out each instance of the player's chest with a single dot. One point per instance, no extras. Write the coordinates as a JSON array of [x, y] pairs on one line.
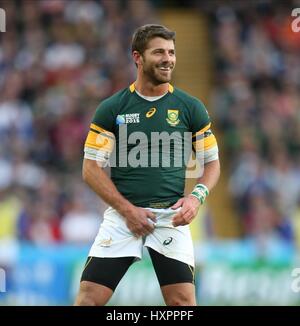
[[153, 118]]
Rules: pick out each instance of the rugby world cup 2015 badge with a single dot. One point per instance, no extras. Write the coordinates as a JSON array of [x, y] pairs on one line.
[[172, 118]]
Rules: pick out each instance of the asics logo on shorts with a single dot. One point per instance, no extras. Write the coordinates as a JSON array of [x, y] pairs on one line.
[[167, 241]]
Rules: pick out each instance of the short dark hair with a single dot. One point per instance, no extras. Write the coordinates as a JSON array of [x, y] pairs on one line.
[[145, 33]]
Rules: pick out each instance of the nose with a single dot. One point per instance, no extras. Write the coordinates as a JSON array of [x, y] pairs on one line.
[[167, 58]]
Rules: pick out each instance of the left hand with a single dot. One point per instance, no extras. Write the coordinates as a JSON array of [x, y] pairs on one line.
[[189, 210]]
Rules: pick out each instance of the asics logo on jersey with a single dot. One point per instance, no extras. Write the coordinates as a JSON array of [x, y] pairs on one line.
[[150, 113]]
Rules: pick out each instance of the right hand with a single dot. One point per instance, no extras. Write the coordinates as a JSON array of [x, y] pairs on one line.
[[137, 220]]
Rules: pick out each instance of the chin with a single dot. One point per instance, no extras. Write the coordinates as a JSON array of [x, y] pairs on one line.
[[167, 80], [163, 80], [160, 81]]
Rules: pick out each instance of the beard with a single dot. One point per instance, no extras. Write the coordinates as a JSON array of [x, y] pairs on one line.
[[157, 76]]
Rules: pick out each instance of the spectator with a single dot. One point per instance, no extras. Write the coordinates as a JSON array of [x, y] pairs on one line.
[[58, 60]]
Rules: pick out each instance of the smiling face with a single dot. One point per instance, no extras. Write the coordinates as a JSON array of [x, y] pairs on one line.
[[158, 60]]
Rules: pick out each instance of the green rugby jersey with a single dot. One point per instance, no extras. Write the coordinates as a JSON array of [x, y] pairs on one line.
[[141, 172]]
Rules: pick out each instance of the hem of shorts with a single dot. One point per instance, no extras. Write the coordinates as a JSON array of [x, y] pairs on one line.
[[171, 256], [92, 254]]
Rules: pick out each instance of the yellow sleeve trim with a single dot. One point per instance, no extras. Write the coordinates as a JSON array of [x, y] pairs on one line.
[[210, 142], [203, 130], [98, 141], [205, 144], [95, 127]]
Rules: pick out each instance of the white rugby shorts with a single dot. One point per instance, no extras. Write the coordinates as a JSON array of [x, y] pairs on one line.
[[114, 239]]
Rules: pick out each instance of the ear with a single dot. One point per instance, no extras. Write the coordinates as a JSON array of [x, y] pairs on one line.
[[136, 57]]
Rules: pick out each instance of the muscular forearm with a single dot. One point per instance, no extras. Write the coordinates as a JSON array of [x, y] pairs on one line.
[[210, 175], [190, 204], [97, 179]]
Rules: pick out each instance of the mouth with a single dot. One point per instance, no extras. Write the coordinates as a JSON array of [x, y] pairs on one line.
[[169, 68]]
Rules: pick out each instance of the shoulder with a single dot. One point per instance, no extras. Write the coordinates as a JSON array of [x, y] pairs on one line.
[[195, 109], [108, 109], [114, 101], [111, 105]]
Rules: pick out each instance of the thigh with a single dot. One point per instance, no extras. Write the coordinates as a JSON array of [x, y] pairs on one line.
[[106, 271], [93, 294], [176, 280], [170, 271], [180, 294]]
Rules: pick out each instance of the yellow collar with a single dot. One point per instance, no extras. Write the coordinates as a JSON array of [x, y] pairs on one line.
[[132, 88]]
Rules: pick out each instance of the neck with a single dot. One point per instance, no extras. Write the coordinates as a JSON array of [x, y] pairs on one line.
[[147, 88]]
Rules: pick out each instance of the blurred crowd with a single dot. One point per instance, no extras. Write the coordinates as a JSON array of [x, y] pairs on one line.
[[58, 60], [257, 106]]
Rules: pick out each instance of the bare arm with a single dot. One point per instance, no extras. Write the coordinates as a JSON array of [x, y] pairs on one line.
[[94, 175], [190, 204], [210, 175], [136, 217]]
